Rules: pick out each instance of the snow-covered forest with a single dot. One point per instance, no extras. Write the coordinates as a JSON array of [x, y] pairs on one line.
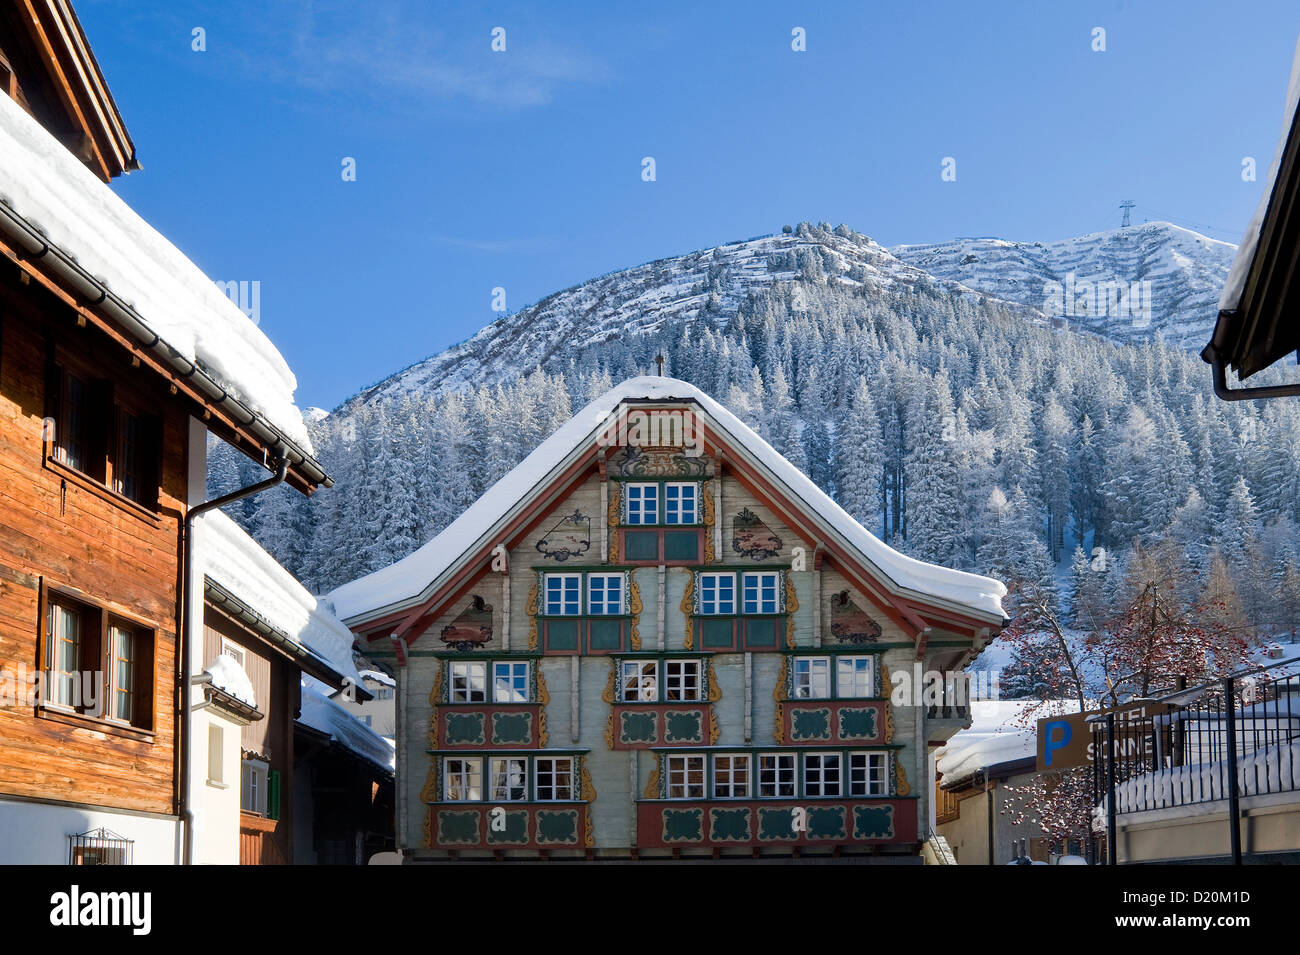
[[958, 430]]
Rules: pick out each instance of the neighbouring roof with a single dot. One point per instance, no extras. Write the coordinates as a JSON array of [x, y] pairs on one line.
[[404, 583], [325, 716], [55, 211], [1001, 732], [228, 556], [379, 677], [1257, 310]]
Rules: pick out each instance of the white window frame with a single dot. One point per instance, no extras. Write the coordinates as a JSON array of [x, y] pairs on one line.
[[466, 780], [557, 608], [685, 686], [815, 776], [600, 607], [785, 776], [63, 687], [637, 509], [868, 774], [511, 694], [761, 579], [733, 781], [680, 769], [254, 785], [508, 764], [858, 680], [474, 674], [234, 651], [553, 783], [712, 603], [640, 681], [811, 675], [117, 688], [687, 513]]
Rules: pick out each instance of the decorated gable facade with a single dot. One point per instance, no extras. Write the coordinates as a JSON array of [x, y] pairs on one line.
[[656, 637]]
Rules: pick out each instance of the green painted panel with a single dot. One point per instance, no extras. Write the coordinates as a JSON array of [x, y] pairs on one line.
[[762, 634], [810, 724], [562, 634], [873, 822], [510, 728], [507, 828], [826, 822], [681, 545], [638, 727], [729, 825], [606, 634], [715, 633], [641, 545], [775, 824], [557, 827], [683, 726], [465, 728], [858, 724], [683, 825], [457, 828]]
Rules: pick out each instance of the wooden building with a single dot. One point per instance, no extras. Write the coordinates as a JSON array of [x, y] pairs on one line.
[[657, 638], [118, 358]]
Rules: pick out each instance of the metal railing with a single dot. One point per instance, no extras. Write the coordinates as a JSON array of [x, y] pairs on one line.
[[1226, 740]]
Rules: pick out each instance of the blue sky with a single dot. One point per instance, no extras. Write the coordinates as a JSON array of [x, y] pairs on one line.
[[522, 169]]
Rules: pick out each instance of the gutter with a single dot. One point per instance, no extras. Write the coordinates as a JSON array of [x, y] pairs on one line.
[[96, 294], [187, 638]]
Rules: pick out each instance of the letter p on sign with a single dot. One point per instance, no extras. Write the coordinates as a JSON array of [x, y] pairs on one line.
[[1058, 735]]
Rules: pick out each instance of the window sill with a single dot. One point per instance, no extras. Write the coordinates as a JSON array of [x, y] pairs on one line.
[[59, 714], [105, 493], [217, 784], [256, 821]]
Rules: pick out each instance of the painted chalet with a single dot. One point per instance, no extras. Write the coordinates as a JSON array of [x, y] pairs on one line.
[[119, 359], [656, 637]]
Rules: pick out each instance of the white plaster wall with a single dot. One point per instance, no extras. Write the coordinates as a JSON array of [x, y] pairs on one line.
[[37, 833]]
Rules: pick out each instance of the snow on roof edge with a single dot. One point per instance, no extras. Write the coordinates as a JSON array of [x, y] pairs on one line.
[[413, 575], [322, 714], [83, 217]]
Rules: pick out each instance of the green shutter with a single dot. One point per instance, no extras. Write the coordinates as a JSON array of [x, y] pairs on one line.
[[273, 794]]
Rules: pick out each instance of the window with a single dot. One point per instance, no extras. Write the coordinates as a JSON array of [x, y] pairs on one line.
[[564, 594], [510, 682], [867, 774], [65, 652], [232, 650], [509, 779], [121, 673], [685, 777], [812, 678], [216, 756], [468, 682], [730, 777], [682, 681], [604, 594], [253, 787], [680, 503], [100, 666], [383, 693], [640, 681], [760, 592], [554, 778], [821, 774], [717, 593], [365, 720], [642, 503], [854, 678], [72, 437], [462, 779], [776, 778], [128, 478]]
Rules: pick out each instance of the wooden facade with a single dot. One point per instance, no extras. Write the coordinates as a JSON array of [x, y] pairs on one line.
[[73, 543], [677, 639]]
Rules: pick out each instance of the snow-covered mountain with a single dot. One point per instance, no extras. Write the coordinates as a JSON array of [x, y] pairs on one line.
[[706, 285], [1184, 272], [1171, 282]]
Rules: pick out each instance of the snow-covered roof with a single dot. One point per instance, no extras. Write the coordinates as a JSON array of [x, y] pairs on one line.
[[229, 556], [999, 733], [324, 715], [405, 581], [1236, 282], [229, 677], [379, 677], [78, 214]]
